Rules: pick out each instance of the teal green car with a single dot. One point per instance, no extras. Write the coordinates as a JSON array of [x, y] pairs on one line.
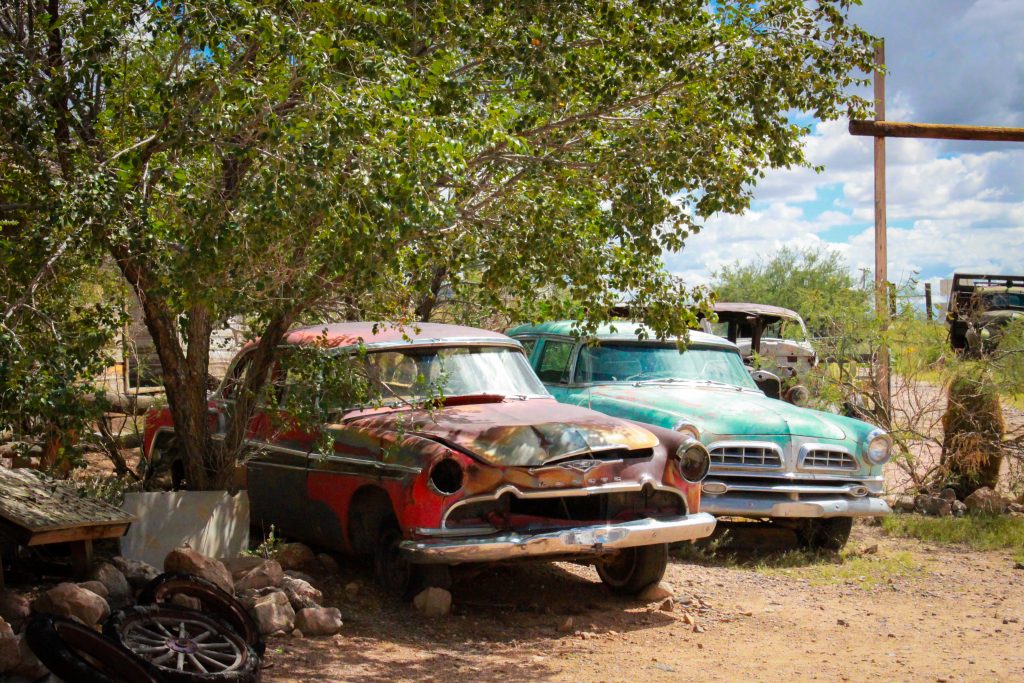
[[771, 460]]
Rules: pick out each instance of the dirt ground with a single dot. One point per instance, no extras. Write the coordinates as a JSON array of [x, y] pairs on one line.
[[918, 612]]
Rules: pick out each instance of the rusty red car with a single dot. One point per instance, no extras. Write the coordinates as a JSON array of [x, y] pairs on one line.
[[489, 468]]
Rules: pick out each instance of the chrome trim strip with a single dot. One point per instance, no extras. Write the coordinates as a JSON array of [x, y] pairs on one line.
[[856, 490], [348, 460], [568, 492], [586, 540]]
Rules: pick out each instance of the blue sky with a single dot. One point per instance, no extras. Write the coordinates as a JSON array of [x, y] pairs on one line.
[[951, 205]]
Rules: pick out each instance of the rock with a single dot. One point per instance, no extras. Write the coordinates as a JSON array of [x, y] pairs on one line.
[[351, 590], [187, 601], [14, 608], [30, 666], [295, 556], [328, 563], [301, 594], [987, 501], [268, 573], [295, 574], [903, 504], [654, 593], [119, 593], [189, 561], [239, 566], [273, 613], [75, 602], [567, 626], [249, 596], [318, 621], [10, 655], [870, 550], [959, 508], [1015, 507], [137, 572], [933, 505], [842, 622], [947, 494], [433, 602], [97, 588], [666, 605]]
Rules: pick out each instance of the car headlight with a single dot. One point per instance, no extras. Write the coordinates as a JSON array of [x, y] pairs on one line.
[[693, 461], [879, 447], [689, 430]]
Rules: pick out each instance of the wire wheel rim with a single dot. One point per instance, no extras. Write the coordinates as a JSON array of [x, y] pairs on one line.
[[184, 644]]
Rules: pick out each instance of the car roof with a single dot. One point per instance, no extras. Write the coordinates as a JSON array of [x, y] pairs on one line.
[[619, 330], [755, 309], [378, 334]]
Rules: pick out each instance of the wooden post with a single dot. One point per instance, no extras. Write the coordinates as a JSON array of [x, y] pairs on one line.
[[881, 245], [81, 557], [928, 299]]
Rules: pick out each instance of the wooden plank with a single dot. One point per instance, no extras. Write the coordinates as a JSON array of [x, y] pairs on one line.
[[77, 534], [81, 557], [937, 131]]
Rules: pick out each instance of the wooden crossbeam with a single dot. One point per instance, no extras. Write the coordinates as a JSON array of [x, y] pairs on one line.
[[938, 131]]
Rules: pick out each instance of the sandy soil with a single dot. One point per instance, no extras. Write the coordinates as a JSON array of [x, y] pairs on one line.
[[954, 615]]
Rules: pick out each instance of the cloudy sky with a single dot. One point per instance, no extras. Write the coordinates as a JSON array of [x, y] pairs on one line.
[[951, 205]]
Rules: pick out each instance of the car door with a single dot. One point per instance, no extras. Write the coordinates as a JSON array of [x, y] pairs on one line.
[[277, 461]]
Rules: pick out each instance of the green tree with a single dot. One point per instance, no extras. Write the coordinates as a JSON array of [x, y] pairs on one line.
[[288, 160], [816, 282]]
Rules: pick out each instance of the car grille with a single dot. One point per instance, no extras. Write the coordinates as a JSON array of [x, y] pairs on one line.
[[819, 458], [764, 456]]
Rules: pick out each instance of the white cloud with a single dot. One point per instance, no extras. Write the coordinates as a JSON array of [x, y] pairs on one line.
[[950, 205]]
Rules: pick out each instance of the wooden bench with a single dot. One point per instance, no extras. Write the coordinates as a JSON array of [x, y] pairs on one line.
[[36, 509]]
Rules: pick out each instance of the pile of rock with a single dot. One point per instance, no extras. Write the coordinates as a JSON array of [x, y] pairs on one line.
[[279, 595], [110, 585], [944, 503]]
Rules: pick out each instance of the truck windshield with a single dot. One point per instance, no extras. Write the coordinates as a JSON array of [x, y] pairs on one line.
[[636, 362], [418, 373]]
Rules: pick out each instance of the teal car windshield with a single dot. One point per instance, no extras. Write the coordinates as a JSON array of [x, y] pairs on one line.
[[421, 372], [630, 362]]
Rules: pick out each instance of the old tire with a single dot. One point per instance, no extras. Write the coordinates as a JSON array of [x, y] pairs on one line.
[[397, 575], [164, 587], [825, 534], [633, 569], [183, 645], [74, 652]]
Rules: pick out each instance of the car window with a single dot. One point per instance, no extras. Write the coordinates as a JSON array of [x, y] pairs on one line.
[[528, 345], [553, 365], [629, 362]]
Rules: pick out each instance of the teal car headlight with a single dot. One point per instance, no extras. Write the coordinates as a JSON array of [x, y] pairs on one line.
[[693, 461], [879, 447]]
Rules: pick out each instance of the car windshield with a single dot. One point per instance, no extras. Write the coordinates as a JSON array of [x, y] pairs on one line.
[[632, 362], [417, 373], [1004, 300]]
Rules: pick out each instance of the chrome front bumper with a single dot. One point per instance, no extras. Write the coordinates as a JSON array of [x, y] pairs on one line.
[[754, 505], [586, 540]]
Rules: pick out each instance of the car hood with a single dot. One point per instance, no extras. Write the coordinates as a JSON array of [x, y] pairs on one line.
[[714, 410], [518, 433]]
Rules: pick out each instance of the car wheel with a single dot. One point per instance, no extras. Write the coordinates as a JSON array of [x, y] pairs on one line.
[[183, 645], [77, 653], [164, 587], [825, 534], [634, 569], [397, 575]]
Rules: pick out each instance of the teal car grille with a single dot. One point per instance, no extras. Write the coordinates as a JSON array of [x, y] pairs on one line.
[[746, 455]]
